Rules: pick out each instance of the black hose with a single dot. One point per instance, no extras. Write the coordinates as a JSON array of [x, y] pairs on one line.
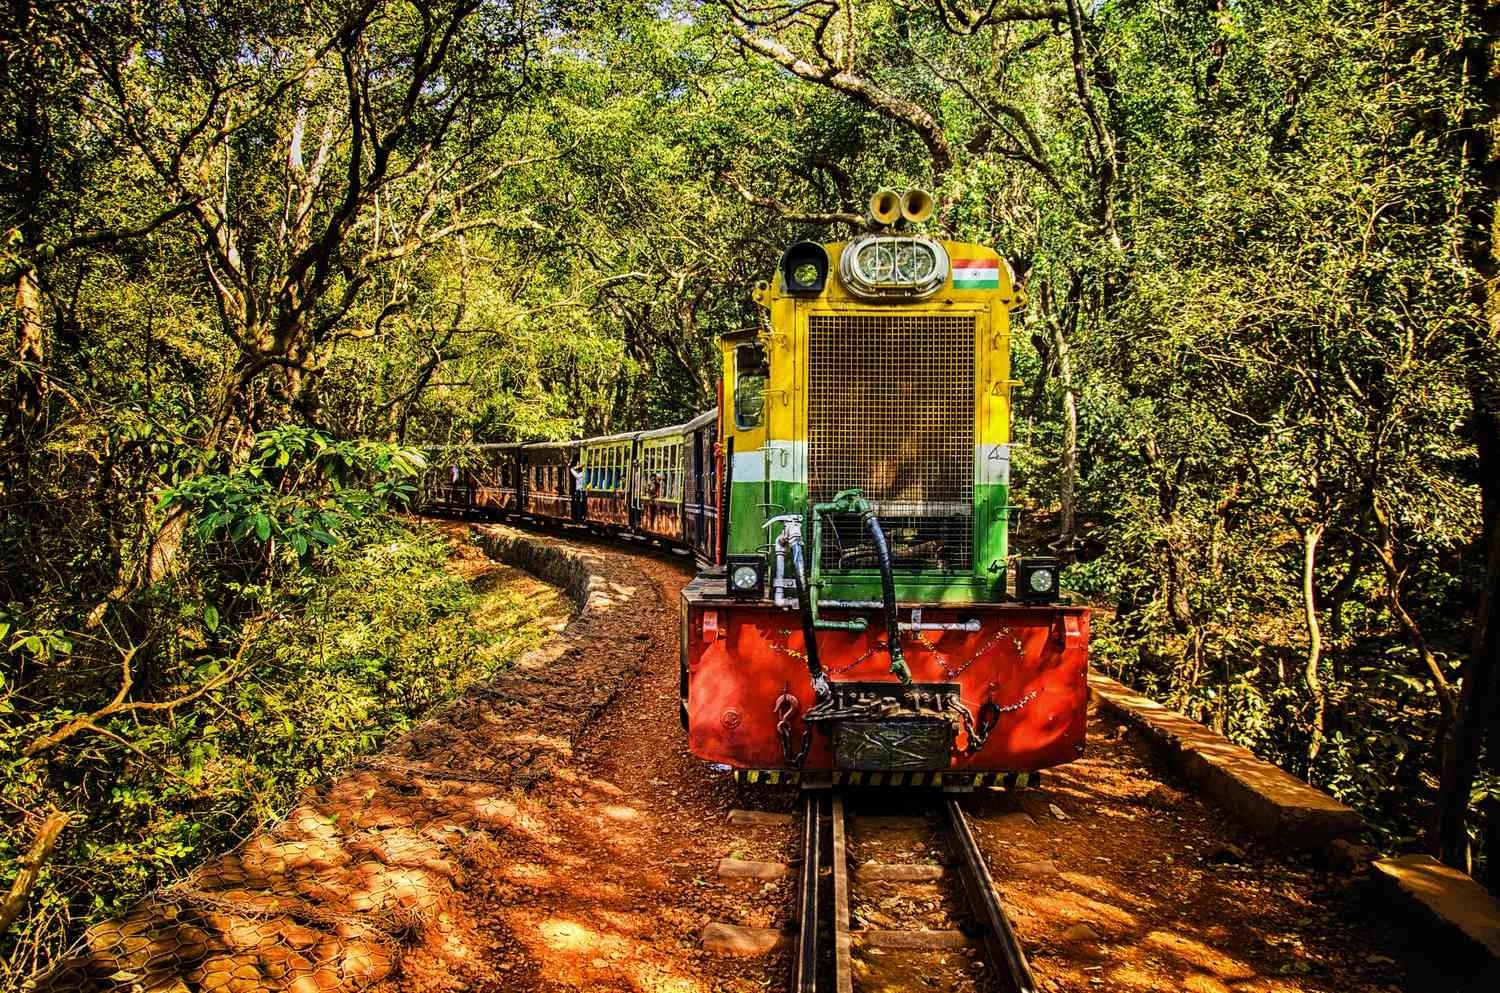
[[888, 595], [805, 608]]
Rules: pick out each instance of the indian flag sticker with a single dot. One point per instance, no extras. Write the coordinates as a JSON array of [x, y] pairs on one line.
[[976, 274]]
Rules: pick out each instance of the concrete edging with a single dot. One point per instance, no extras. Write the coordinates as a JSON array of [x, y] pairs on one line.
[[548, 562], [1448, 899], [1275, 805]]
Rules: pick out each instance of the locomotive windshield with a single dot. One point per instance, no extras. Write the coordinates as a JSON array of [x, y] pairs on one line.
[[751, 371]]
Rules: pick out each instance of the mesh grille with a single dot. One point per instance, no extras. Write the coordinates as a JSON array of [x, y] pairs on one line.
[[891, 412]]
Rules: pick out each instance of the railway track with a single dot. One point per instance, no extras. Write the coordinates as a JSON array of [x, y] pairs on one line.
[[828, 903]]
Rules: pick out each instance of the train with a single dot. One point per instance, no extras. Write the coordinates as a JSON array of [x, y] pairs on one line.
[[661, 484], [857, 617]]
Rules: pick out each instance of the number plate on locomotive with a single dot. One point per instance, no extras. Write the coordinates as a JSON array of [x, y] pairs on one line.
[[916, 699]]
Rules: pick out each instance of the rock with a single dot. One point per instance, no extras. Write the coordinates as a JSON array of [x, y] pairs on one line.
[[744, 869], [731, 939], [1057, 811], [1223, 853], [905, 873], [914, 941], [1162, 797], [1348, 856], [758, 818], [1079, 933], [1042, 867]]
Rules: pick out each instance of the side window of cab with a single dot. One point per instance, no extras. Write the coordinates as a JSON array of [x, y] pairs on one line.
[[751, 374]]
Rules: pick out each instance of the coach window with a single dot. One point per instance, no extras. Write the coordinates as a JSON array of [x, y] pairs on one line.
[[751, 372]]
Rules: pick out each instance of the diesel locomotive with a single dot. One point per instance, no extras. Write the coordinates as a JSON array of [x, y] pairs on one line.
[[857, 617]]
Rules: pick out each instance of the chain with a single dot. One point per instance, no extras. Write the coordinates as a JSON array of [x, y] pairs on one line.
[[802, 657], [784, 708], [989, 716], [920, 639], [990, 642]]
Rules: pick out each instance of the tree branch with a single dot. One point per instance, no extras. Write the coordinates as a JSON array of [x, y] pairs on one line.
[[791, 214], [896, 108], [31, 867], [119, 704]]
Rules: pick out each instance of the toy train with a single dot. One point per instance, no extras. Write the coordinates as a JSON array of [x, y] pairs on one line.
[[852, 620], [661, 484]]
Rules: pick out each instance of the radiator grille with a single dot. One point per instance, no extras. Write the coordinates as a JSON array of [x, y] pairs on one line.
[[891, 411]]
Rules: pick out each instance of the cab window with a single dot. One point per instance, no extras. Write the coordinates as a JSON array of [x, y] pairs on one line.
[[751, 373]]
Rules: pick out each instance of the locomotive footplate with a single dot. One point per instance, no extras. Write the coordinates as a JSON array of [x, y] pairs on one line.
[[890, 727], [815, 779]]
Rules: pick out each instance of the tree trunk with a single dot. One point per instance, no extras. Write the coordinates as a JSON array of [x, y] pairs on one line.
[[1067, 537], [1310, 673], [31, 867], [31, 378], [1387, 551], [1477, 703]]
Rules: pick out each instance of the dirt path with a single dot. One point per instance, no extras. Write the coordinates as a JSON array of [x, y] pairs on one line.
[[1118, 878], [606, 876]]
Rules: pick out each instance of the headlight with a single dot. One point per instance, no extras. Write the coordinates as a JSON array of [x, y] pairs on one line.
[[890, 265], [1036, 580], [745, 576]]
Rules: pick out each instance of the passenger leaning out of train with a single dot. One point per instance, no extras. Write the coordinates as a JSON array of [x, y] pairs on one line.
[[577, 472]]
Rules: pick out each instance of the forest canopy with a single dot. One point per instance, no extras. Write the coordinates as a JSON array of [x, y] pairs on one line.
[[255, 255]]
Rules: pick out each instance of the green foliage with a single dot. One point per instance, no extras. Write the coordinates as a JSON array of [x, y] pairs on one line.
[[299, 489], [1242, 243]]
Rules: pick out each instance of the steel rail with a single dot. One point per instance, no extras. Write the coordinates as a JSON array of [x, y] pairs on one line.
[[843, 942], [805, 979], [999, 939]]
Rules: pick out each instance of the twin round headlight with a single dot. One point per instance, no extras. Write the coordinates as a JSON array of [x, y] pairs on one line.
[[746, 576], [1036, 580], [882, 265]]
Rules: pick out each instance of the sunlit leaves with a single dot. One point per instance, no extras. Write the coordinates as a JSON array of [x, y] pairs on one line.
[[300, 490]]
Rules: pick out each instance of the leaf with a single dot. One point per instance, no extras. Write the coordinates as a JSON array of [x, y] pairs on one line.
[[262, 527], [211, 617]]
